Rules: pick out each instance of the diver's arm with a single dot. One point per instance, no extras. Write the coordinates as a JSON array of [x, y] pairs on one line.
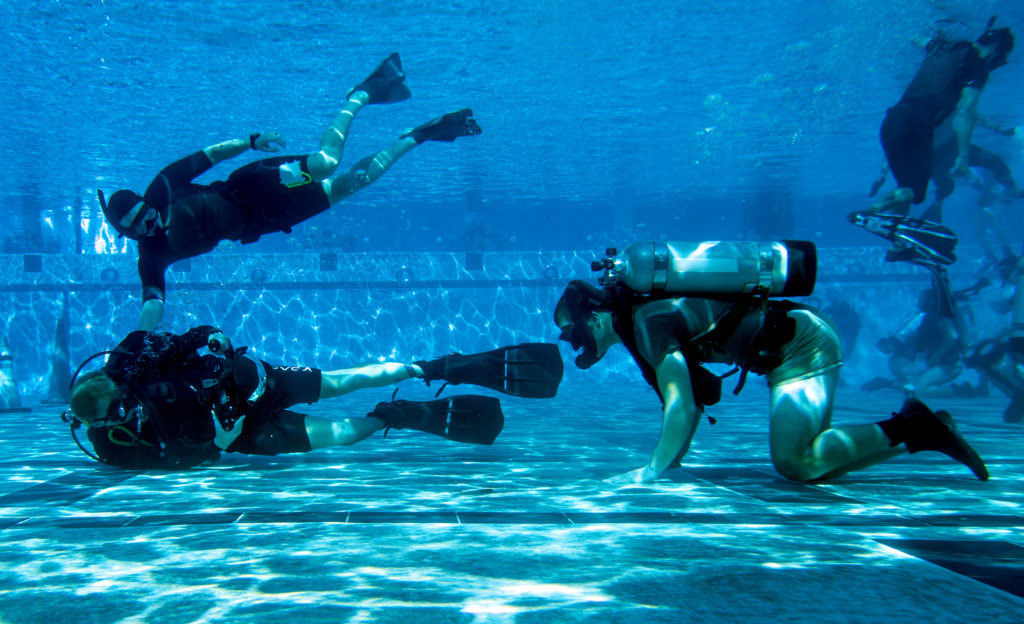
[[679, 420], [963, 126], [883, 173], [988, 124], [678, 424], [152, 314], [229, 149]]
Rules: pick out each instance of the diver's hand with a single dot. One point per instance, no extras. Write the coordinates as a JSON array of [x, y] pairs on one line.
[[219, 343], [634, 477], [223, 439], [261, 141]]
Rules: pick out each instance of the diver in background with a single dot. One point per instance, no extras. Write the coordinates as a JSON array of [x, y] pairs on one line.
[[1000, 359], [158, 403], [1002, 187], [949, 82], [926, 352], [177, 219], [796, 348]]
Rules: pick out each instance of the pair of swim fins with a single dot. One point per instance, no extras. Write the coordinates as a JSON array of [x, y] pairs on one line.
[[531, 370], [467, 418], [915, 240], [386, 85]]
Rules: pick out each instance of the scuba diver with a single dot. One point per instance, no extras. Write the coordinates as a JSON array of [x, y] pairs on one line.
[[995, 182], [948, 83], [1000, 359], [675, 306], [177, 219], [926, 351], [158, 403]]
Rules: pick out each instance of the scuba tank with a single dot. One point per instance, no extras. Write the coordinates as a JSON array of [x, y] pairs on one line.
[[903, 334], [712, 268]]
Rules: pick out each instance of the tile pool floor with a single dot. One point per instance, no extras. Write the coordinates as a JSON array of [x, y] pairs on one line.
[[413, 528]]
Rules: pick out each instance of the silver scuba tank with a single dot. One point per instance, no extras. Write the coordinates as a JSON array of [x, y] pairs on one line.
[[713, 268]]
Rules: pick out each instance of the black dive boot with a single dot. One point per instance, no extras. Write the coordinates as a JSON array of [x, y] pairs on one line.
[[446, 128], [923, 430], [386, 84], [465, 418]]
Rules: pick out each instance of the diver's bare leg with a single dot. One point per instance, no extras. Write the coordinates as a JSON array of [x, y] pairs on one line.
[[804, 445], [332, 143], [366, 171], [342, 381], [324, 432]]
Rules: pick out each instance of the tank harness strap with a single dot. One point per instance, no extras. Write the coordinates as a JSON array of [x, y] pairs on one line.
[[168, 449], [224, 395]]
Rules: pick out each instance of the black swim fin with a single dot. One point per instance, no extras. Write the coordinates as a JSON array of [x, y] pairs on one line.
[[386, 84], [915, 240], [532, 370], [923, 430], [446, 128], [464, 418]]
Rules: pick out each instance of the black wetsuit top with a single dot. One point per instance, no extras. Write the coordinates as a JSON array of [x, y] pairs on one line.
[[663, 327], [949, 68], [180, 392], [196, 218], [164, 374], [264, 196]]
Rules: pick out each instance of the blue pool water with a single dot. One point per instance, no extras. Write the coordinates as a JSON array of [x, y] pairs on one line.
[[603, 123]]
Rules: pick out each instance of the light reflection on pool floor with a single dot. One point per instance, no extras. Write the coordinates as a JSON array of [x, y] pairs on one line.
[[413, 528]]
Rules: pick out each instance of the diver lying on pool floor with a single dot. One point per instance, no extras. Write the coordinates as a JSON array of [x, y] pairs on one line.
[[158, 403], [723, 319]]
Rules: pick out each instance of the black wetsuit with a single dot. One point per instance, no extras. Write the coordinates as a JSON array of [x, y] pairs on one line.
[[179, 391], [268, 195], [909, 126]]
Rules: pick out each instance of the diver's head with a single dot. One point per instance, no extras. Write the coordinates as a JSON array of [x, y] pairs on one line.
[[130, 215], [96, 399], [996, 45], [583, 315]]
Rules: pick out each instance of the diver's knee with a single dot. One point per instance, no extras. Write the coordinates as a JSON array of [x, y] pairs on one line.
[[321, 165], [796, 472], [795, 469]]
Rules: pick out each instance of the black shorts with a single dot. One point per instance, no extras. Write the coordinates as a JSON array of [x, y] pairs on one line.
[[274, 194], [269, 428], [907, 133]]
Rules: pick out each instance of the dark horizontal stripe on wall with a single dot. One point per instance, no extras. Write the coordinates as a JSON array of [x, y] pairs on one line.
[[390, 285]]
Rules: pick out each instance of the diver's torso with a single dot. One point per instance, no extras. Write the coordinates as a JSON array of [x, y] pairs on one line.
[[666, 325], [946, 71]]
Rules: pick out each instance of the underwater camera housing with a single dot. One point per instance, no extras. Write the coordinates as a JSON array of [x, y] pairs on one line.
[[712, 268]]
